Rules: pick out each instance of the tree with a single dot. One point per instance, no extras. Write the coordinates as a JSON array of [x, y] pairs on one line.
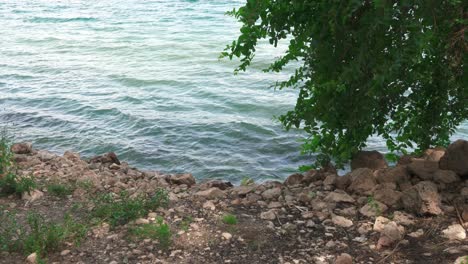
[[366, 67]]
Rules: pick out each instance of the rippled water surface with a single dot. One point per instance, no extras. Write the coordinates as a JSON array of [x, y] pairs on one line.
[[143, 79]]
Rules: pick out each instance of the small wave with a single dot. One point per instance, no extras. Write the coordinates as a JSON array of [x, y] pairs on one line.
[[61, 19]]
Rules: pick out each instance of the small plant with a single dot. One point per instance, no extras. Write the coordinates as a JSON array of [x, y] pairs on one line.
[[247, 181], [374, 205], [10, 231], [312, 194], [158, 230], [10, 183], [464, 260], [59, 190], [185, 224], [123, 209], [230, 219]]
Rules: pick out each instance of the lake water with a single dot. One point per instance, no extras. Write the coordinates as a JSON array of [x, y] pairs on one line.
[[143, 79]]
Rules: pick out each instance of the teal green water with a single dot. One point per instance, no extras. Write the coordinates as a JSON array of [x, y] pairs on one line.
[[143, 79]]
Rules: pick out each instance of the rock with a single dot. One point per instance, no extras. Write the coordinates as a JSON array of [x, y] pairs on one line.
[[390, 234], [422, 199], [342, 182], [65, 252], [109, 158], [211, 193], [416, 234], [22, 148], [294, 179], [222, 185], [268, 215], [142, 221], [72, 156], [344, 259], [362, 181], [424, 169], [209, 205], [32, 258], [226, 236], [434, 154], [446, 176], [339, 196], [403, 218], [32, 196], [374, 208], [454, 232], [456, 158], [387, 196], [341, 221], [44, 155], [380, 223], [368, 159], [461, 260], [179, 179], [330, 179], [272, 193], [398, 175], [243, 190]]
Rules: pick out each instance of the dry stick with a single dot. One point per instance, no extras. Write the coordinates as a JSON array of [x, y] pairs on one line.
[[458, 215], [391, 253]]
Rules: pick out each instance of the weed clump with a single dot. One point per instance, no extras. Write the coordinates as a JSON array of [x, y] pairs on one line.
[[157, 231], [230, 219], [59, 190], [123, 209]]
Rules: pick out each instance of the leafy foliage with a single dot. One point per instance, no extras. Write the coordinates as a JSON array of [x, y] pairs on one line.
[[370, 67]]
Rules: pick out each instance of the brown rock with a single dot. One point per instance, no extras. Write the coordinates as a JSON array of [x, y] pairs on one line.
[[211, 193], [272, 193], [342, 182], [424, 169], [446, 176], [362, 181], [368, 159], [294, 179], [456, 158], [338, 197], [434, 154], [22, 148], [387, 196], [109, 157], [344, 259], [398, 175], [375, 208], [222, 185], [179, 179], [422, 199]]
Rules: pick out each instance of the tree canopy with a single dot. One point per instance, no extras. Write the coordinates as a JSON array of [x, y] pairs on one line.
[[365, 67]]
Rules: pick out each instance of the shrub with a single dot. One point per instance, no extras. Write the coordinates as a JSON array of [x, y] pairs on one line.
[[230, 219], [247, 181], [158, 230]]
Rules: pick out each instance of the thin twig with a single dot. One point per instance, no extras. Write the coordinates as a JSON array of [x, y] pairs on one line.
[[391, 253]]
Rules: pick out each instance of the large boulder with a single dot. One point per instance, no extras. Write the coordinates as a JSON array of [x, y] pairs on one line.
[[387, 195], [362, 181], [434, 154], [422, 199], [22, 148], [373, 160], [456, 158]]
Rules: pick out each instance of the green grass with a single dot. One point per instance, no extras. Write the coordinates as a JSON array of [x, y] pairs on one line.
[[374, 205], [59, 190], [230, 219], [38, 235], [157, 231], [123, 209]]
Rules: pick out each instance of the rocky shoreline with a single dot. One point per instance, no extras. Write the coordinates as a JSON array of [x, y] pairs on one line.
[[414, 212]]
